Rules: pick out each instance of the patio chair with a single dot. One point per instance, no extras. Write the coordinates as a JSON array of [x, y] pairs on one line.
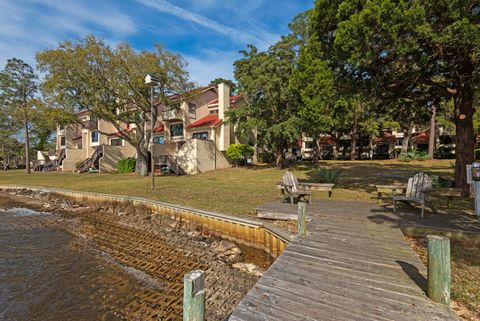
[[419, 188], [292, 190]]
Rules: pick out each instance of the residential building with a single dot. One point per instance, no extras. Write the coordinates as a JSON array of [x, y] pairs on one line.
[[189, 139]]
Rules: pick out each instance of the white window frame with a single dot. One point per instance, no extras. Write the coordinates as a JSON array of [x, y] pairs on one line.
[[170, 130], [114, 138], [64, 141], [91, 138]]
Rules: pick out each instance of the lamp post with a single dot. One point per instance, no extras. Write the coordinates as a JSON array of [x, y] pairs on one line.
[[152, 82]]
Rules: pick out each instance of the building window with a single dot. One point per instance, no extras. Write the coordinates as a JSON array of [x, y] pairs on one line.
[[62, 141], [176, 130], [95, 137], [201, 135], [62, 127], [160, 139], [192, 110], [79, 145], [116, 142], [213, 111]]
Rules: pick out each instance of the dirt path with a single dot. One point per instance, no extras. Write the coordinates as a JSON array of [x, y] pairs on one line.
[[154, 245]]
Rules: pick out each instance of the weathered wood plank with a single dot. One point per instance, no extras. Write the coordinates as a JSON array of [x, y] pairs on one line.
[[354, 264]]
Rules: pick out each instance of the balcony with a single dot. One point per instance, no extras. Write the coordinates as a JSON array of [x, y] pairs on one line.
[[90, 124], [171, 115]]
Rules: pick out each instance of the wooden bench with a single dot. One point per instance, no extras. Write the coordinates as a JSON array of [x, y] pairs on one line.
[[324, 187], [449, 193], [391, 190]]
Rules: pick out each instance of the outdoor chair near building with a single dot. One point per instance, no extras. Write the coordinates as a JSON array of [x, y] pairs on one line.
[[292, 190], [419, 188]]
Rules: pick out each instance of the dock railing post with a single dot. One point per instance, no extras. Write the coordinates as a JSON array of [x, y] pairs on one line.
[[302, 218], [194, 296], [439, 271]]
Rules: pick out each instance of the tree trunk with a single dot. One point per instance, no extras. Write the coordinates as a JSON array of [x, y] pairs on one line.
[[353, 139], [142, 163], [464, 136], [431, 138], [27, 146], [317, 151], [335, 146], [370, 147], [280, 157], [407, 135]]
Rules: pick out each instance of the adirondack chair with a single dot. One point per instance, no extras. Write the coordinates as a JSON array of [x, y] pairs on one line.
[[419, 188], [292, 189]]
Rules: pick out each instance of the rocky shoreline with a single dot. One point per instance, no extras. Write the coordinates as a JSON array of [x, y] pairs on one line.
[[161, 247]]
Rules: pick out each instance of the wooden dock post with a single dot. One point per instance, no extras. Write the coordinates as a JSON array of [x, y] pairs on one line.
[[194, 296], [302, 218], [439, 274]]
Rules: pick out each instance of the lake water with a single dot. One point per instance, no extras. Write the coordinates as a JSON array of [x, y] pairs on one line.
[[46, 273]]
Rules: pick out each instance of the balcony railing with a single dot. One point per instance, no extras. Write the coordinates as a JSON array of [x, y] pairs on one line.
[[172, 114], [90, 124]]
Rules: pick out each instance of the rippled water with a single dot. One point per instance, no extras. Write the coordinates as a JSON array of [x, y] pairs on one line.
[[48, 274]]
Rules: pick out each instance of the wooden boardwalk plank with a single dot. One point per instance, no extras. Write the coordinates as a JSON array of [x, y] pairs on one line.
[[349, 267]]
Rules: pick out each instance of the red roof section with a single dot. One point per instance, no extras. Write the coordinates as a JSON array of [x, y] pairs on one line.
[[207, 121], [233, 99], [159, 129]]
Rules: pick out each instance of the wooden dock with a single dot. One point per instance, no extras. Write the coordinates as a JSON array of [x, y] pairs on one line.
[[349, 266]]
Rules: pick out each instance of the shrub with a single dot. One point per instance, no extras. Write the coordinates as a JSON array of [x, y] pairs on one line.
[[126, 165], [239, 153], [266, 157], [325, 175], [414, 154]]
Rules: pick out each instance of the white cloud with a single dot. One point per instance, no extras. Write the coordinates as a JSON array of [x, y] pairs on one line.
[[210, 65], [257, 36], [32, 25]]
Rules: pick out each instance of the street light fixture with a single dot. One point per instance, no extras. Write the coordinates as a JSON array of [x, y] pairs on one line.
[[152, 82]]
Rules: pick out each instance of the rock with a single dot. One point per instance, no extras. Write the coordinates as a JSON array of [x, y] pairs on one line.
[[248, 268], [224, 246]]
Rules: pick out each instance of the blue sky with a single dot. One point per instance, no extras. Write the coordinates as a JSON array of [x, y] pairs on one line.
[[208, 33]]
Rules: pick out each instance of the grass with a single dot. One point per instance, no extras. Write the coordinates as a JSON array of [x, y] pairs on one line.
[[465, 276], [234, 191]]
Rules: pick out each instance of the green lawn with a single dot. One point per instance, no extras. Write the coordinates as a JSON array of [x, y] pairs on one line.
[[232, 191]]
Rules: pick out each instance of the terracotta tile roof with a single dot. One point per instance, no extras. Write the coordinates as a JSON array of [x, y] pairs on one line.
[[233, 99], [207, 121], [195, 91], [159, 129]]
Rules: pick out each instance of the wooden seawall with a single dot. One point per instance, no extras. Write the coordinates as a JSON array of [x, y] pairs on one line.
[[247, 231], [350, 266]]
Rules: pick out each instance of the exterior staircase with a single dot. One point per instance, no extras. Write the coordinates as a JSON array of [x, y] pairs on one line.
[[91, 162], [171, 163]]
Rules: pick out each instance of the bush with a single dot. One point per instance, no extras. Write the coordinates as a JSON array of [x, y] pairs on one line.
[[325, 175], [414, 154], [266, 157], [126, 165], [240, 153]]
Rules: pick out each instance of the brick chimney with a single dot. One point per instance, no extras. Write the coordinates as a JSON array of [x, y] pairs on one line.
[[223, 106]]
